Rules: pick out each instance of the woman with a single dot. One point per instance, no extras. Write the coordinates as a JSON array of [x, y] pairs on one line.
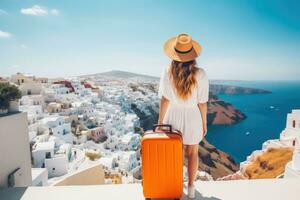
[[184, 94]]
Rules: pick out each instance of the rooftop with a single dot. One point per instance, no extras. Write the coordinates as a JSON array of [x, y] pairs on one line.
[[275, 189], [45, 146], [35, 172]]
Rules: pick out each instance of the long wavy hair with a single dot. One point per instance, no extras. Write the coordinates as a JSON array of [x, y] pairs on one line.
[[183, 76]]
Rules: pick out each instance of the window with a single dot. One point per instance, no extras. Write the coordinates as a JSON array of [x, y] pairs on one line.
[[48, 155], [294, 123]]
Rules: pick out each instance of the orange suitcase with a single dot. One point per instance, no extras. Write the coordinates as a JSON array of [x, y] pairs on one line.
[[162, 163]]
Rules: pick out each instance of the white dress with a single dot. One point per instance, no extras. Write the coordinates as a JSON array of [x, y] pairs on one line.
[[184, 115]]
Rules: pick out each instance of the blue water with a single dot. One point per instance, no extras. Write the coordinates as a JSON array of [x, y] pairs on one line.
[[263, 122]]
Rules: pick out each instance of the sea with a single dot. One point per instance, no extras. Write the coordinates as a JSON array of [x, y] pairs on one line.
[[266, 117]]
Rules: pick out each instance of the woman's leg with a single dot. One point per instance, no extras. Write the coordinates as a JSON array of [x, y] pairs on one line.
[[191, 152]]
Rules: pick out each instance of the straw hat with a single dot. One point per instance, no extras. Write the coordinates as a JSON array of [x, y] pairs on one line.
[[182, 48]]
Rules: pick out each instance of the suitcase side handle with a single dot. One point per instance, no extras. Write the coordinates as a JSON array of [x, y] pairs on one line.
[[162, 125]]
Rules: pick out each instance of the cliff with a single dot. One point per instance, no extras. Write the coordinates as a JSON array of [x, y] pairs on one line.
[[221, 112], [230, 89], [215, 162]]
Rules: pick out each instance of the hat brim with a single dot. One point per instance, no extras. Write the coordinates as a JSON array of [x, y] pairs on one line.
[[182, 57]]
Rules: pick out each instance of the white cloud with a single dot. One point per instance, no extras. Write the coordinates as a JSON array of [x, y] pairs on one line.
[[4, 34], [35, 10], [3, 12], [54, 12], [23, 46]]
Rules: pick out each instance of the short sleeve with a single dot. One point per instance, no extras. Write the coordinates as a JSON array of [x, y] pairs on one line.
[[164, 85], [203, 87]]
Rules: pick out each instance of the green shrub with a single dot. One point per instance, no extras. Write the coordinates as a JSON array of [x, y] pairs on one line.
[[8, 93]]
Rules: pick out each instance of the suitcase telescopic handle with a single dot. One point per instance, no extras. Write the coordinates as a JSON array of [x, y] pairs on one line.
[[162, 125]]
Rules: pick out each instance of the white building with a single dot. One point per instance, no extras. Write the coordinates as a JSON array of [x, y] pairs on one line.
[[84, 108], [79, 89], [131, 121], [32, 100], [80, 138], [96, 134], [34, 112], [112, 142], [57, 166], [60, 89], [48, 94], [128, 160], [54, 107], [15, 167], [108, 162], [41, 151], [28, 85], [129, 141], [57, 126], [30, 88], [292, 169], [46, 155], [292, 131], [39, 176]]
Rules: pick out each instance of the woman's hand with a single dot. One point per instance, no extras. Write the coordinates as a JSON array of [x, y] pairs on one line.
[[203, 110], [164, 103], [158, 128], [204, 129]]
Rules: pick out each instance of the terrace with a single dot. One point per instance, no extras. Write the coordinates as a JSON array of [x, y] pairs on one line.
[[274, 189]]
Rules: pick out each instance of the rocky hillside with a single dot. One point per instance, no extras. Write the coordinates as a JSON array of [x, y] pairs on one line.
[[120, 74], [215, 162], [270, 164], [230, 89], [221, 112]]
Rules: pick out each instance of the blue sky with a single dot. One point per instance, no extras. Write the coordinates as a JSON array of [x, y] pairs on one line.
[[241, 40]]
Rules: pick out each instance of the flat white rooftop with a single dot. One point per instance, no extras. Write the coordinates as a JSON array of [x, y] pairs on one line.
[[35, 172], [272, 189]]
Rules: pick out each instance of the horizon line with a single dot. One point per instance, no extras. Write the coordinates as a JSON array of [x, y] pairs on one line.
[[153, 76]]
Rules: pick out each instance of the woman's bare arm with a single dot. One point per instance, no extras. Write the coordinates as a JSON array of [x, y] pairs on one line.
[[203, 110], [164, 103]]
